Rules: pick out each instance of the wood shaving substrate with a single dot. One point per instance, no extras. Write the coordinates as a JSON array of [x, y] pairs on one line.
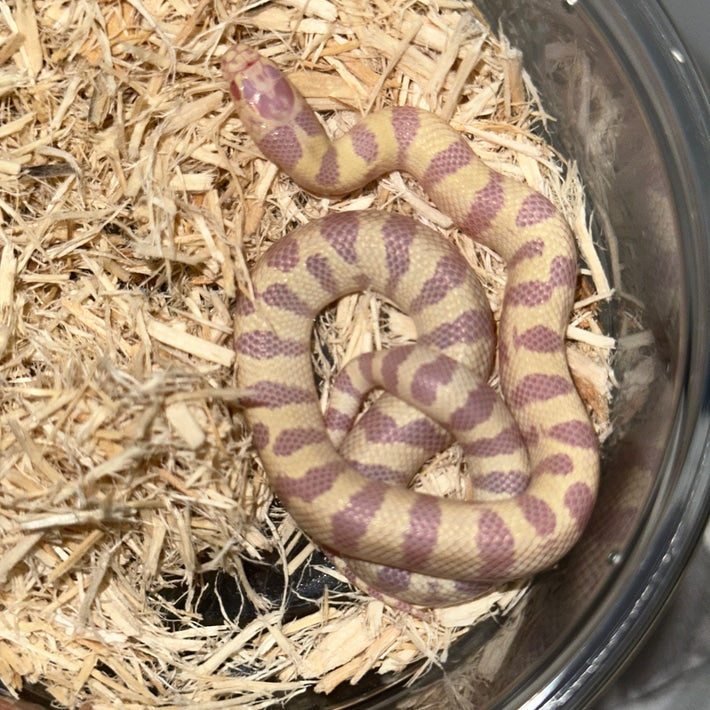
[[132, 204]]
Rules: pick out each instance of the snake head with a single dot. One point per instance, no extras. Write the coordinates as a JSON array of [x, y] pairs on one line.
[[263, 96]]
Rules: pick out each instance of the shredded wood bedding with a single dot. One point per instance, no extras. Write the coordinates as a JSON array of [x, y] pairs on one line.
[[135, 519]]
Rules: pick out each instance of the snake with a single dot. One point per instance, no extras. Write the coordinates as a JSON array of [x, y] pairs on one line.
[[530, 452]]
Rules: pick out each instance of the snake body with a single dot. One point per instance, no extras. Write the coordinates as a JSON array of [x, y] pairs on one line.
[[533, 461]]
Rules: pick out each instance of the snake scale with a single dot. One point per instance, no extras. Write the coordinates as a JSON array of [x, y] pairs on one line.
[[532, 459]]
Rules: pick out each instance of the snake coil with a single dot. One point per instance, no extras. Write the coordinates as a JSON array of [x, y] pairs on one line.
[[533, 460]]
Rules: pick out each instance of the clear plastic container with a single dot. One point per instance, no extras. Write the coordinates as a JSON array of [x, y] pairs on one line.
[[631, 110]]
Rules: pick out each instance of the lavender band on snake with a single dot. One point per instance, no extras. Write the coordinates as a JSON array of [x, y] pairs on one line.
[[533, 459]]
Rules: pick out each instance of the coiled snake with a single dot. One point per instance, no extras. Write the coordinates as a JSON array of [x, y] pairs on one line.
[[534, 474]]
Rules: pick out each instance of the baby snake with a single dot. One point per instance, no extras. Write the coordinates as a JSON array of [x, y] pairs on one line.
[[533, 461]]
